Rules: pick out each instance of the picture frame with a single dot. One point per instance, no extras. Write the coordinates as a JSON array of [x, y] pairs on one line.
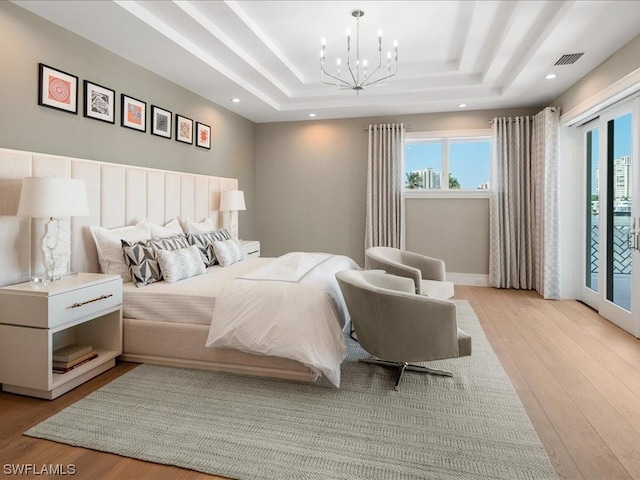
[[203, 135], [184, 129], [57, 89], [99, 102], [160, 122], [133, 113]]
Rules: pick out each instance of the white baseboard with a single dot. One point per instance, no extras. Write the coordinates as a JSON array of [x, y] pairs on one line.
[[473, 279]]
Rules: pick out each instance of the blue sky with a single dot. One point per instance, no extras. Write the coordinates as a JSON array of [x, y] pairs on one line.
[[468, 161]]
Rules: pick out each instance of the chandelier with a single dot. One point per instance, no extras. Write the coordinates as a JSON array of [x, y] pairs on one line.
[[357, 77]]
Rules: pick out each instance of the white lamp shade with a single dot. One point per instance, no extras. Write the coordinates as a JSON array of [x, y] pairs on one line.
[[53, 197], [232, 201]]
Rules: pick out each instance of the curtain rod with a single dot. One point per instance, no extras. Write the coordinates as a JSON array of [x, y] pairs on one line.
[[406, 127], [553, 109]]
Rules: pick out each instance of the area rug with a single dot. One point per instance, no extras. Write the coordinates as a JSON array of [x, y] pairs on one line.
[[470, 426]]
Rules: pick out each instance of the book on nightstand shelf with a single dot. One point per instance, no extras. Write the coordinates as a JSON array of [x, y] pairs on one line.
[[71, 353], [64, 367]]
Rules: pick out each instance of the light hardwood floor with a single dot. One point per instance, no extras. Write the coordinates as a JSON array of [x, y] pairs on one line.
[[578, 377]]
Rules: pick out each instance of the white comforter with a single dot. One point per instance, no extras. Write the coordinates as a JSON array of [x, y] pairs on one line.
[[290, 308]]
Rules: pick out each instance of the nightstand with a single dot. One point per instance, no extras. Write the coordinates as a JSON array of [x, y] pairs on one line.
[[250, 248], [36, 320]]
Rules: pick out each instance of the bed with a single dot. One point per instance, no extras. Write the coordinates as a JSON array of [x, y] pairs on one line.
[[121, 195], [279, 317]]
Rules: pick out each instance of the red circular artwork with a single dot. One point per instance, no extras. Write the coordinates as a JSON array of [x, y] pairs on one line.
[[59, 90]]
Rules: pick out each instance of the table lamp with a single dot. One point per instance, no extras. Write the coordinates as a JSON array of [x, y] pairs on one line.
[[232, 201], [53, 198]]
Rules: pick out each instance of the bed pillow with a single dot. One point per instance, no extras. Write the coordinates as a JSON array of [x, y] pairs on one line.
[[142, 257], [202, 227], [171, 229], [109, 246], [205, 241], [228, 252], [169, 243], [180, 264], [142, 263]]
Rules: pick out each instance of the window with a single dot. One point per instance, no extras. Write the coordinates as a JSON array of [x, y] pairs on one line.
[[448, 161]]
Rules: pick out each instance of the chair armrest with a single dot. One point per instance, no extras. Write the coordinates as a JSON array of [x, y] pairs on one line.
[[380, 279], [394, 268], [430, 268]]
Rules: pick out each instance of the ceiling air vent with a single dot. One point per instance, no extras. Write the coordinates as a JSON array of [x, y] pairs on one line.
[[568, 59]]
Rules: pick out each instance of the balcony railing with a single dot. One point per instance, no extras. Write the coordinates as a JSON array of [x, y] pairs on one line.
[[621, 250]]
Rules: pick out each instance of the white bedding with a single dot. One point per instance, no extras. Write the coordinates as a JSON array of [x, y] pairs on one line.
[[187, 301], [290, 308]]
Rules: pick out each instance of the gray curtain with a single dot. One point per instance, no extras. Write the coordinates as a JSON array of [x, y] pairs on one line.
[[385, 206], [524, 223]]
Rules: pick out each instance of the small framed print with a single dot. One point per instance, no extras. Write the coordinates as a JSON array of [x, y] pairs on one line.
[[99, 102], [203, 135], [134, 113], [57, 89], [184, 129], [160, 122]]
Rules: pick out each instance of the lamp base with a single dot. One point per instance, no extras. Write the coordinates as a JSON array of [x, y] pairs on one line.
[[54, 278]]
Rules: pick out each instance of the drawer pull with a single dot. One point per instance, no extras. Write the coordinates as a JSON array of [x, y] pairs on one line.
[[101, 297]]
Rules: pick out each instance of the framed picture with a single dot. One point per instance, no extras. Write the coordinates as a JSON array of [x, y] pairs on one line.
[[184, 129], [134, 113], [160, 122], [57, 89], [203, 135], [99, 102]]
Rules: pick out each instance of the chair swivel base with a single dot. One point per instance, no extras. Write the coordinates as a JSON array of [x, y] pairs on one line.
[[402, 366]]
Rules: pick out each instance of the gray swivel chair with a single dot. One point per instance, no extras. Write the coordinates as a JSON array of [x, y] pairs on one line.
[[427, 273], [398, 326]]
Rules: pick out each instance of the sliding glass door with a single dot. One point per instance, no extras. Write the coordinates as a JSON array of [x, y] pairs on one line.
[[611, 256]]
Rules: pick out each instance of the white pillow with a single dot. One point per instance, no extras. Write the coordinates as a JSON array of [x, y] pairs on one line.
[[171, 229], [203, 227], [228, 252], [109, 246], [179, 264]]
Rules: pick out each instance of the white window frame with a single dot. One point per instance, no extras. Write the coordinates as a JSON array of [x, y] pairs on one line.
[[445, 136]]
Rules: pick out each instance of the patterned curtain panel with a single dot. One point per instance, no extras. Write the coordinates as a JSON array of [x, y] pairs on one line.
[[385, 208], [524, 216]]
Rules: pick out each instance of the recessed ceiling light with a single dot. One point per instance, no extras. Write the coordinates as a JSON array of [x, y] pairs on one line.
[[312, 115], [551, 76], [462, 105], [235, 100]]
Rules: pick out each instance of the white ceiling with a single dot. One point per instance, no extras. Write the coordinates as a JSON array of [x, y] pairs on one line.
[[486, 54]]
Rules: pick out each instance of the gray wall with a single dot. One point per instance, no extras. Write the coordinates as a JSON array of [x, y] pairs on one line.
[[456, 230], [26, 40], [311, 187]]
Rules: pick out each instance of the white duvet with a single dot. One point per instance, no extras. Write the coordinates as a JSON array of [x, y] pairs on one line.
[[291, 308]]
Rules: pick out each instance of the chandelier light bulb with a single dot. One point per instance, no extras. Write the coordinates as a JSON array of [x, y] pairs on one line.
[[339, 62], [323, 41]]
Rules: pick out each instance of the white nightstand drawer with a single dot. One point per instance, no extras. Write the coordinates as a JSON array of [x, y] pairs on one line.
[[48, 306], [82, 302], [250, 248]]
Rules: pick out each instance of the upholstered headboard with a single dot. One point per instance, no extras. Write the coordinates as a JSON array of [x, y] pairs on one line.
[[118, 195]]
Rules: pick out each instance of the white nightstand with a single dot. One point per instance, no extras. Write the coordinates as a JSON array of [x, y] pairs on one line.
[[36, 319], [250, 248]]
